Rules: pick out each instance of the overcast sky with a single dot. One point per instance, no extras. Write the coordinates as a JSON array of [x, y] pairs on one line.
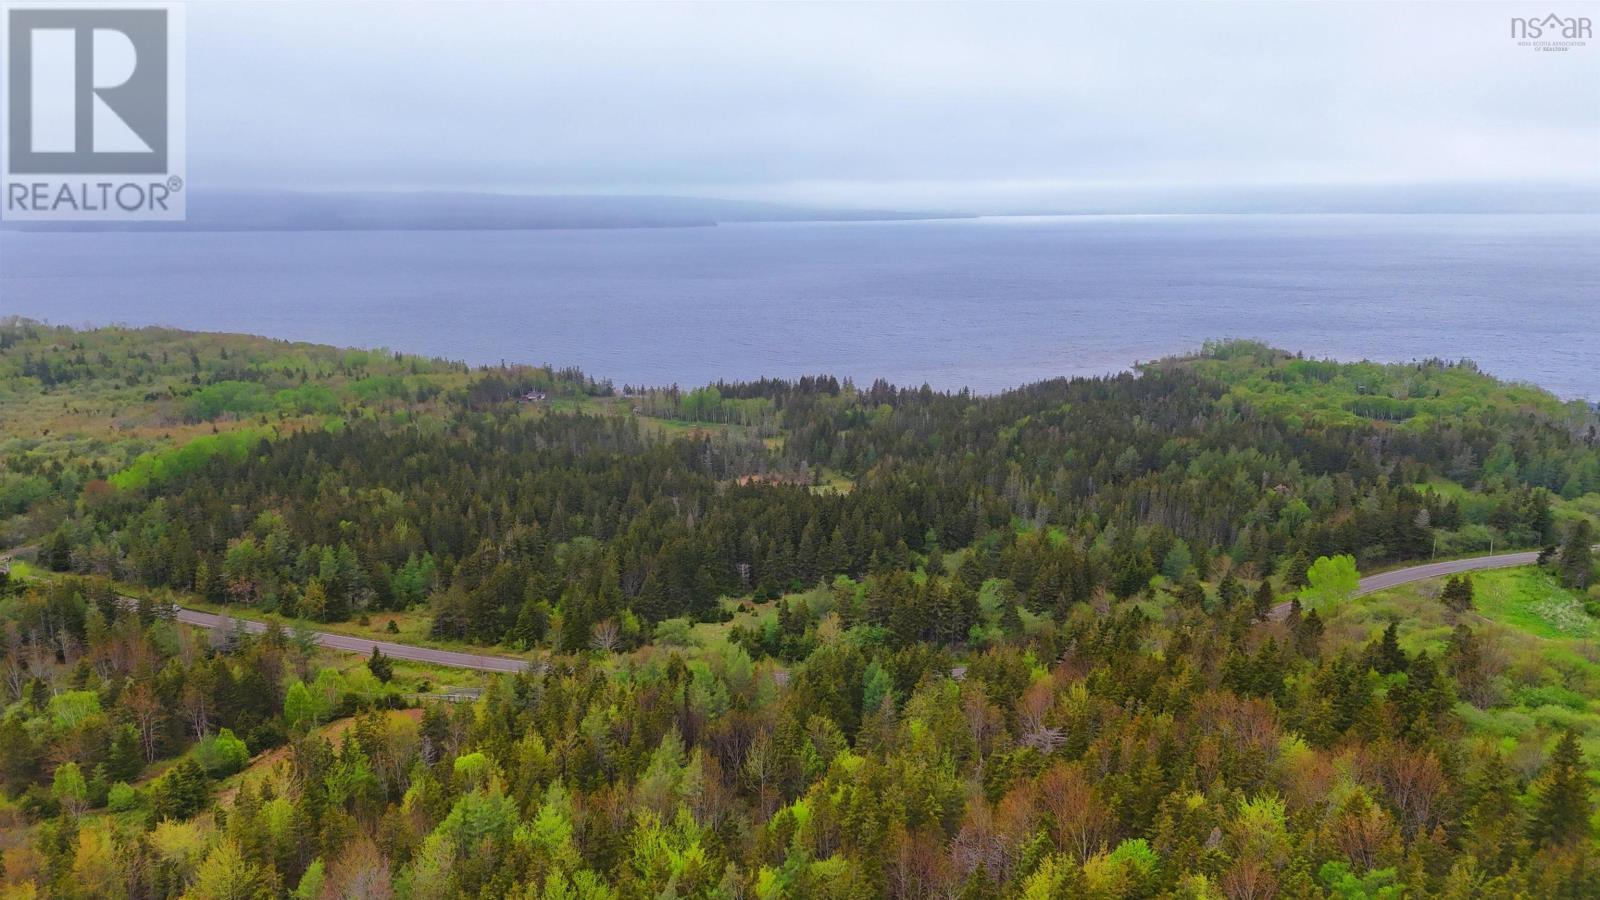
[[958, 105]]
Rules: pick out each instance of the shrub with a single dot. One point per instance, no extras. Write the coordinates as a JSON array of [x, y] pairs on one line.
[[221, 754], [122, 797], [266, 736]]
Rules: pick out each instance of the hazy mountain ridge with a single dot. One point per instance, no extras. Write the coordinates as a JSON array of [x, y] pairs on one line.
[[464, 211]]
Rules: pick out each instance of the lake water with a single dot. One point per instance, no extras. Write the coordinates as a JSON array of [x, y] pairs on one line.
[[986, 303]]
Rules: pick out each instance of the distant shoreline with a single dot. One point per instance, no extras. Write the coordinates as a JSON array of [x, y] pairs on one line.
[[989, 304], [1135, 367], [189, 228]]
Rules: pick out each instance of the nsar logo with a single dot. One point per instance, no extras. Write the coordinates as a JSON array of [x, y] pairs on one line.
[[1552, 33]]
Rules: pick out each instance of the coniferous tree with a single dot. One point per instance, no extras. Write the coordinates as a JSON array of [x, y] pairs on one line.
[[380, 666], [1308, 634], [1263, 600], [1457, 593], [1561, 807], [1386, 657], [1577, 555], [1294, 575]]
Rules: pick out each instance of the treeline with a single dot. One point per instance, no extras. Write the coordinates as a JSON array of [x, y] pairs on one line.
[[510, 524]]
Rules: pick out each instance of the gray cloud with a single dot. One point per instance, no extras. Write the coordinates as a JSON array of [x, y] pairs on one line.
[[903, 103]]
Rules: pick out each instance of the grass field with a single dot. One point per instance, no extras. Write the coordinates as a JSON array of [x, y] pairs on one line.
[[1545, 651]]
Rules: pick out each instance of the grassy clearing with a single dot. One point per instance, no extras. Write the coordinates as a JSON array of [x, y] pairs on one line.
[[678, 428], [835, 483], [1544, 648], [1531, 600], [745, 612], [1525, 600]]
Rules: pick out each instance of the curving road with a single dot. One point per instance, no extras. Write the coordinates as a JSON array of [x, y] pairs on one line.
[[1395, 577], [451, 658], [459, 660], [1439, 569]]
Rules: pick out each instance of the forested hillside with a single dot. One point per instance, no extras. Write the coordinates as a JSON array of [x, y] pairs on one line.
[[1090, 637]]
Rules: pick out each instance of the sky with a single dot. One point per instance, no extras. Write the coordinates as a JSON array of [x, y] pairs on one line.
[[973, 106]]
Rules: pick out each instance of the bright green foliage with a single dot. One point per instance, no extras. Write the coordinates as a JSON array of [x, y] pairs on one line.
[[310, 886], [878, 686], [69, 709], [227, 875], [1342, 883], [669, 853], [473, 770], [70, 790], [122, 797], [300, 708], [221, 754], [1056, 877], [171, 465], [1330, 581], [478, 816], [549, 834], [238, 398]]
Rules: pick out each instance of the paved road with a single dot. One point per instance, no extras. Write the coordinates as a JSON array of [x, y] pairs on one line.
[[1439, 569], [1394, 577], [363, 646], [448, 658], [457, 660], [507, 664]]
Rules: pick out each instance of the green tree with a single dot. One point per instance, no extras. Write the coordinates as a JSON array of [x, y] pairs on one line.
[[1177, 562], [227, 875], [1561, 797], [70, 789], [1457, 593], [380, 666], [181, 792], [1294, 574], [1330, 581], [1577, 555], [300, 708], [1344, 884], [222, 754], [122, 797], [1386, 657], [1263, 600]]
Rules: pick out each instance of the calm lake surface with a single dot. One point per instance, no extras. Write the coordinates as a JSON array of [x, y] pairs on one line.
[[986, 303]]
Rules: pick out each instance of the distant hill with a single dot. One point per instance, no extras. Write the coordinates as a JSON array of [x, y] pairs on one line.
[[447, 211], [1443, 198]]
